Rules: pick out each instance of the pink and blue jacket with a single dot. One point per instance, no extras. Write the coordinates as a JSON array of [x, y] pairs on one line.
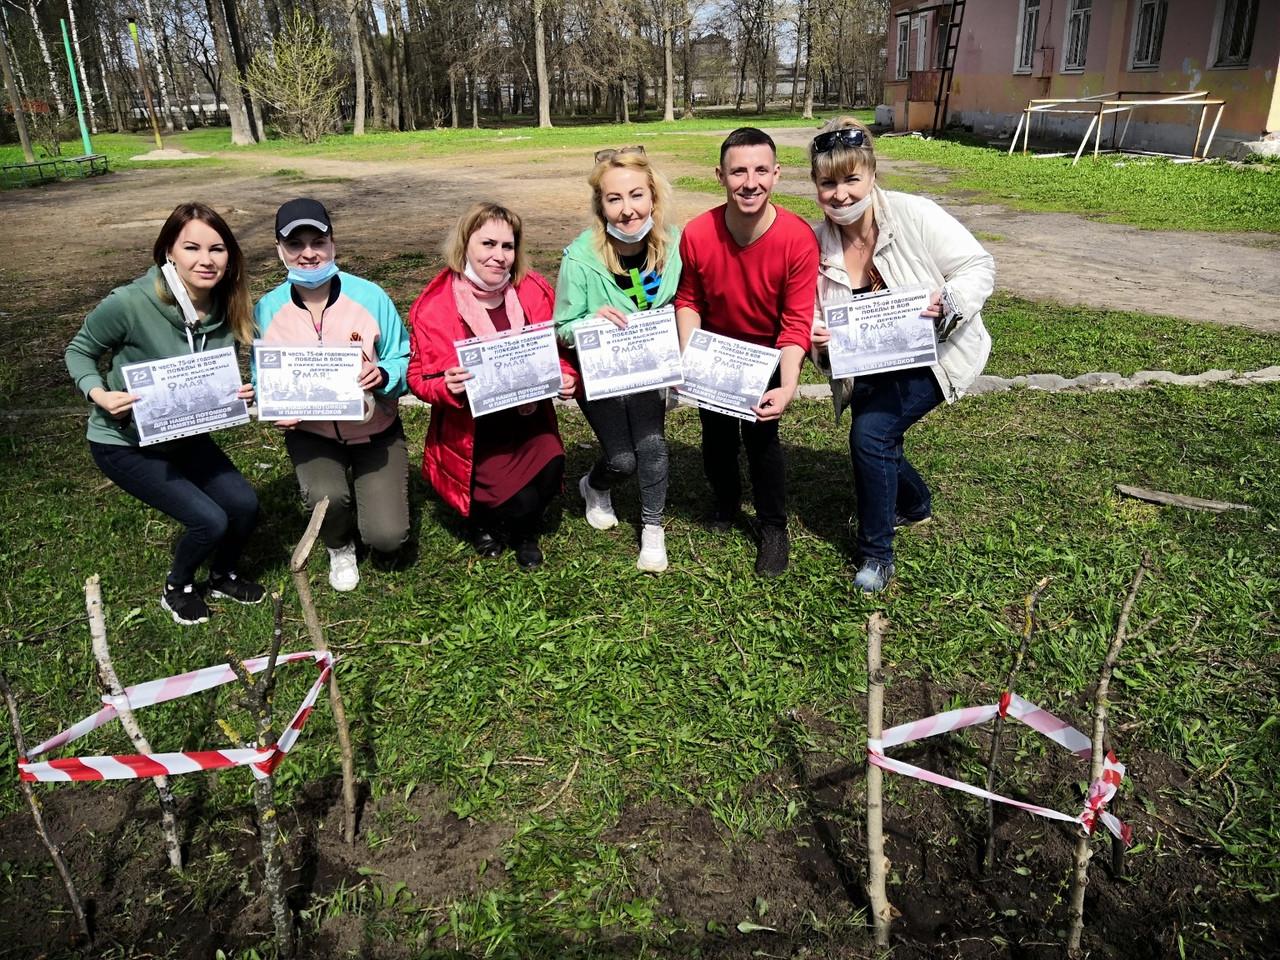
[[359, 313]]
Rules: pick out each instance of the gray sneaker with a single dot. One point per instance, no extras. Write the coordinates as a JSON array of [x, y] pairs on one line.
[[873, 576]]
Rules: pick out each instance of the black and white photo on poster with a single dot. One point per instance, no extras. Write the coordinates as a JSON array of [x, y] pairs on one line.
[[511, 369], [726, 375], [185, 395], [309, 382], [881, 331], [643, 355]]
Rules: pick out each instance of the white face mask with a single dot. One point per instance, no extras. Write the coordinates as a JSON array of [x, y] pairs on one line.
[[844, 216], [469, 272], [619, 234]]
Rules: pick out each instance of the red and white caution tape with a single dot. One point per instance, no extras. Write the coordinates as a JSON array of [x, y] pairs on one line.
[[1040, 720], [261, 762]]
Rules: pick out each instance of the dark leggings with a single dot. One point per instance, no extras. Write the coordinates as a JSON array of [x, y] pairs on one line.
[[630, 430], [520, 515], [192, 481]]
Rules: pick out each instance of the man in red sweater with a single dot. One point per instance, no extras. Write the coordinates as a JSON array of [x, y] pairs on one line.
[[750, 272]]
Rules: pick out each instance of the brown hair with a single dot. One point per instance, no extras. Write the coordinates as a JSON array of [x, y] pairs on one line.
[[840, 161], [232, 291], [658, 241], [455, 245]]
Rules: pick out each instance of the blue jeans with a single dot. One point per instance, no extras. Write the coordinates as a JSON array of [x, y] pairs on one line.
[[884, 405], [192, 481]]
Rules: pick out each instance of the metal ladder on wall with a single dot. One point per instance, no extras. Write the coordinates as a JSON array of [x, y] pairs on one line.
[[948, 67]]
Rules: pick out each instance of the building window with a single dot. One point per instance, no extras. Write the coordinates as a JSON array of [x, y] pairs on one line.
[[1028, 30], [940, 45], [1148, 33], [1076, 45], [904, 39], [1234, 41]]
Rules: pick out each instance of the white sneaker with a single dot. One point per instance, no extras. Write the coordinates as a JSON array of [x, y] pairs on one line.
[[653, 549], [599, 505], [344, 574]]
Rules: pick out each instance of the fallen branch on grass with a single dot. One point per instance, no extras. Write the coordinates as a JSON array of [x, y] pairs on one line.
[[1180, 500], [110, 681], [55, 852], [573, 772], [298, 570], [1080, 876]]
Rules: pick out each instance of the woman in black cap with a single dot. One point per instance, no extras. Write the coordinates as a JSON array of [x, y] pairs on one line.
[[362, 467]]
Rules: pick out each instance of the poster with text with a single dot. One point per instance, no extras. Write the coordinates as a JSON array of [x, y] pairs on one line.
[[726, 375], [185, 395], [511, 369], [643, 355], [309, 383], [881, 331]]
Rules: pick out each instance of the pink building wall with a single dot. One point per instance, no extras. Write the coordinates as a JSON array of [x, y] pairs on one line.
[[988, 95]]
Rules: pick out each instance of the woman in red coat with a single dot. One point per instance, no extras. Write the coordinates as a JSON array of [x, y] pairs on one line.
[[502, 470]]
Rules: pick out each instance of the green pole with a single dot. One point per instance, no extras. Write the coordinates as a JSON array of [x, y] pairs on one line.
[[142, 79], [75, 88]]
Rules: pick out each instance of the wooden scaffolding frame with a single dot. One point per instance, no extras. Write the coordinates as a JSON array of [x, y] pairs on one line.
[[1113, 104]]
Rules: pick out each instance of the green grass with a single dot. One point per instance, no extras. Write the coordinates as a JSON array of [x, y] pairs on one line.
[[676, 689], [1037, 337], [119, 148]]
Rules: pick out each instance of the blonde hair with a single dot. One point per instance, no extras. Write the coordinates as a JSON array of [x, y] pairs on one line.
[[477, 215], [658, 242], [842, 160]]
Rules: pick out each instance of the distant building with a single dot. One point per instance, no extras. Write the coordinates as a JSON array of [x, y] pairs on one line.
[[1012, 51]]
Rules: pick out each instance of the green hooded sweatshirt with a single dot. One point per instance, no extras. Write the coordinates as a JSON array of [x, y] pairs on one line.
[[585, 284], [134, 325]]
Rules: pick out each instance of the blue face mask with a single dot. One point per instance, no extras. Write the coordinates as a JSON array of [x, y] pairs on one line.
[[313, 278]]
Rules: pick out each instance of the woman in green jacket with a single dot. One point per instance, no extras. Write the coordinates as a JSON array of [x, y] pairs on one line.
[[627, 260], [197, 260]]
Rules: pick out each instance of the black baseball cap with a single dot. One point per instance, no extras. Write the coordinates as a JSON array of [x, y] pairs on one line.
[[302, 212]]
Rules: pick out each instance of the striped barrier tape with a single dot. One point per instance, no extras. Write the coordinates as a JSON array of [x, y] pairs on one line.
[[261, 762], [1038, 719]]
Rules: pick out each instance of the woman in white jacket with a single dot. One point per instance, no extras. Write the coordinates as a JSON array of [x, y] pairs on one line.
[[873, 239]]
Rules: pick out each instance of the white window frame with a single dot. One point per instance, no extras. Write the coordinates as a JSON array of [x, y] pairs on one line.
[[1235, 8], [1159, 18], [1078, 12], [920, 25], [901, 48], [1024, 46]]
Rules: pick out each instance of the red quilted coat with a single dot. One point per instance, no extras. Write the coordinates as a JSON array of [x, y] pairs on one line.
[[449, 449]]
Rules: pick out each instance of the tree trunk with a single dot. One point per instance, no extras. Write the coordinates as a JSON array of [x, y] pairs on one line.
[[475, 103], [668, 72], [231, 94], [157, 54], [48, 61], [540, 63], [808, 68], [239, 66], [795, 67], [357, 62], [408, 117], [453, 100], [372, 66], [17, 62], [391, 66], [688, 73], [15, 98], [84, 76]]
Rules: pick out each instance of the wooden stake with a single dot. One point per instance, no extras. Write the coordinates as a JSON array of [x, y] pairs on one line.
[[298, 569], [997, 725], [877, 864], [1080, 877], [258, 702], [1180, 500], [110, 681], [55, 852]]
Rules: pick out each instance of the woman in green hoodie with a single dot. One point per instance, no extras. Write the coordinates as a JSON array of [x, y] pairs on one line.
[[627, 260], [196, 259]]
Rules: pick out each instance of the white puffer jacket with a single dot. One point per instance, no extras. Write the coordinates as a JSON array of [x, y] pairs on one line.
[[919, 243]]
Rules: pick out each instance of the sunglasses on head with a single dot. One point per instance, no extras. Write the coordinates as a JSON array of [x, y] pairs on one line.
[[603, 155], [844, 137]]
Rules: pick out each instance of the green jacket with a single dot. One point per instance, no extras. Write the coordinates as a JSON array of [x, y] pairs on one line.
[[134, 325], [585, 284]]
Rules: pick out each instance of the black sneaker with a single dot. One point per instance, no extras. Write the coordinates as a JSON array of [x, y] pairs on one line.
[[774, 553], [901, 522], [232, 587], [486, 543], [528, 554], [185, 604]]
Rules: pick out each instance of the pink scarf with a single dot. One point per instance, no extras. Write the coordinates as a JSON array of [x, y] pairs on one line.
[[476, 316]]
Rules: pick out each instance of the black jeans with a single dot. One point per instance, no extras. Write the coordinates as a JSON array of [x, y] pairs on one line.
[[520, 515], [720, 436], [630, 431], [192, 481]]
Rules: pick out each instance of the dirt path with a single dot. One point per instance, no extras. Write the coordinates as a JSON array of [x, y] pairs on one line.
[[64, 246]]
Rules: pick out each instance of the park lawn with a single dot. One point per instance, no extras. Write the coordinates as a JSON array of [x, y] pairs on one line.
[[680, 692]]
